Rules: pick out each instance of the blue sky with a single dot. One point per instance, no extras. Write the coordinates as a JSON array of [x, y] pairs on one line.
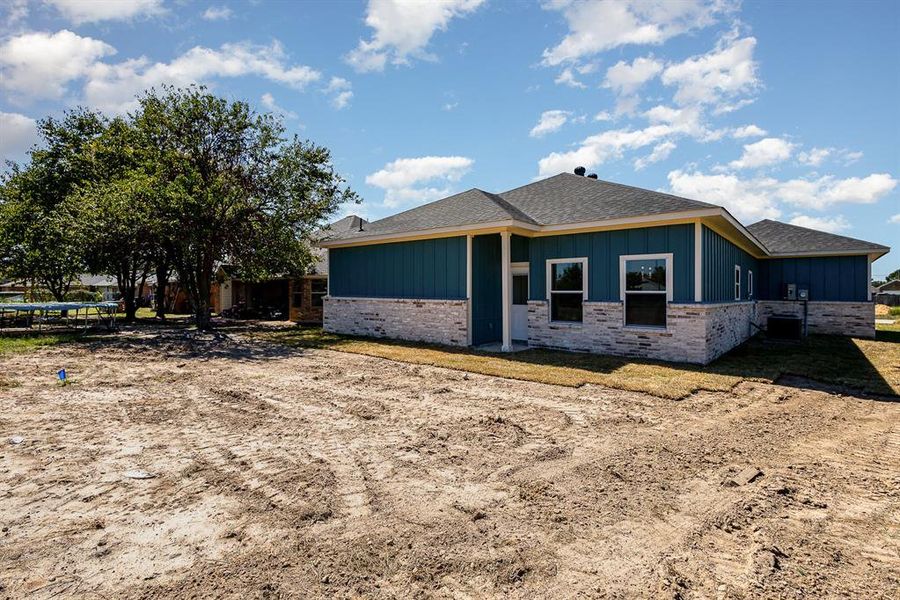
[[774, 110]]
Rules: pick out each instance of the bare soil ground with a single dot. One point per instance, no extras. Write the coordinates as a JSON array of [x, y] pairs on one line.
[[312, 473]]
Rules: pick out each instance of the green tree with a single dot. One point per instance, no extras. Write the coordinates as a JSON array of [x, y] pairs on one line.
[[42, 237], [237, 187], [121, 206]]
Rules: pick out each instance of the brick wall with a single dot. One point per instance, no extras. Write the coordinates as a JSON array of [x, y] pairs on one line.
[[434, 321], [302, 309], [856, 319], [695, 333]]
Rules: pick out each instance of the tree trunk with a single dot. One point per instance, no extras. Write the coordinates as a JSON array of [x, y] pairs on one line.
[[201, 312], [162, 283]]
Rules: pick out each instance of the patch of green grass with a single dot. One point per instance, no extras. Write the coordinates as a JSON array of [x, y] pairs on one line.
[[895, 326], [867, 365], [26, 343], [895, 311]]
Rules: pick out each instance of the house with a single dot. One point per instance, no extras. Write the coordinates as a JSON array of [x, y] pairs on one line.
[[888, 293], [298, 299], [577, 263]]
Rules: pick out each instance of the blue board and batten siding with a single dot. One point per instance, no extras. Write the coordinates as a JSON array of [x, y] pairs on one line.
[[487, 302], [719, 259], [603, 249], [423, 269], [828, 278]]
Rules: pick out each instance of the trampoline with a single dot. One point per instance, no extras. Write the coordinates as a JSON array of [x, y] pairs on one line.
[[86, 314]]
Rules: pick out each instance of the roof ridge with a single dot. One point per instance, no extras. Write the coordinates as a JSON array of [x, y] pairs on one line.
[[817, 231], [508, 206], [412, 208]]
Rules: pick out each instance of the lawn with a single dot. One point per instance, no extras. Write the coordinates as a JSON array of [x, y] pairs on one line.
[[871, 366]]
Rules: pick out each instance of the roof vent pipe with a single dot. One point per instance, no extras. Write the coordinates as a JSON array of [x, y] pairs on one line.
[[580, 171], [592, 176]]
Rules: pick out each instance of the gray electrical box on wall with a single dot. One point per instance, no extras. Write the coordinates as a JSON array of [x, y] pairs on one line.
[[790, 291]]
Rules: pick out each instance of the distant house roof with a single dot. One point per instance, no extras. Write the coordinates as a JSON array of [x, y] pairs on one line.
[[569, 201], [97, 281], [782, 238], [889, 286]]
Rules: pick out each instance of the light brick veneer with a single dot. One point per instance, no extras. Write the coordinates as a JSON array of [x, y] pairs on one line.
[[434, 321], [856, 319], [695, 333]]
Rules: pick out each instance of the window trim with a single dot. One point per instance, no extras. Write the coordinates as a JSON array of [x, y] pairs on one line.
[[584, 286], [737, 283], [669, 257], [749, 284], [312, 294]]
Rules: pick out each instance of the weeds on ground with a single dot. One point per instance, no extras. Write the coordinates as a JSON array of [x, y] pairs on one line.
[[871, 366]]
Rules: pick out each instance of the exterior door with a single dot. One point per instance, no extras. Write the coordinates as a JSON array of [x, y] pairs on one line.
[[519, 324]]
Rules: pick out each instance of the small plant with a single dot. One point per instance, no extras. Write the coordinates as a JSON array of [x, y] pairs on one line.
[[895, 311]]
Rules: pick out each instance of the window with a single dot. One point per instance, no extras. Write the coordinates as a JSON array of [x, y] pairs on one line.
[[567, 288], [749, 284], [646, 283], [319, 288], [520, 289], [737, 282]]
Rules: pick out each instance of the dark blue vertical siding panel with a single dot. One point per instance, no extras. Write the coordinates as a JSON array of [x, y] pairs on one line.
[[486, 289], [828, 278], [420, 269], [440, 268], [519, 248], [719, 259]]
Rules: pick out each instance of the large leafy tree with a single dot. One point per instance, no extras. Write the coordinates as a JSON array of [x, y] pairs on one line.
[[122, 205], [239, 189], [42, 235]]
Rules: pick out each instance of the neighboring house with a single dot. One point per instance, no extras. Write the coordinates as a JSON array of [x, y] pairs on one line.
[[576, 263], [888, 293], [12, 291], [298, 299]]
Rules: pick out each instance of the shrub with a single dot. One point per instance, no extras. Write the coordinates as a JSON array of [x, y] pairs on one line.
[[83, 296], [895, 311]]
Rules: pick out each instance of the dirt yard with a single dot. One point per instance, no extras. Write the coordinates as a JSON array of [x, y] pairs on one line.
[[291, 473]]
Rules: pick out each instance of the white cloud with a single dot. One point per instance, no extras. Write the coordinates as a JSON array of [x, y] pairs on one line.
[[724, 73], [17, 134], [814, 157], [598, 26], [895, 219], [748, 200], [268, 100], [827, 191], [449, 106], [626, 79], [603, 116], [830, 224], [40, 65], [341, 88], [597, 149], [112, 87], [403, 179], [768, 151], [16, 12], [403, 30], [92, 11], [660, 152], [550, 121], [759, 197], [218, 13], [567, 77], [748, 131]]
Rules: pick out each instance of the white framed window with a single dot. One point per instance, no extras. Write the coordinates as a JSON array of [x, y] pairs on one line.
[[737, 282], [645, 284], [567, 288], [749, 284]]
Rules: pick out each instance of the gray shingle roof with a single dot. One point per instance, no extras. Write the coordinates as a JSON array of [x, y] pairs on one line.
[[568, 198], [467, 208], [782, 238], [557, 200]]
